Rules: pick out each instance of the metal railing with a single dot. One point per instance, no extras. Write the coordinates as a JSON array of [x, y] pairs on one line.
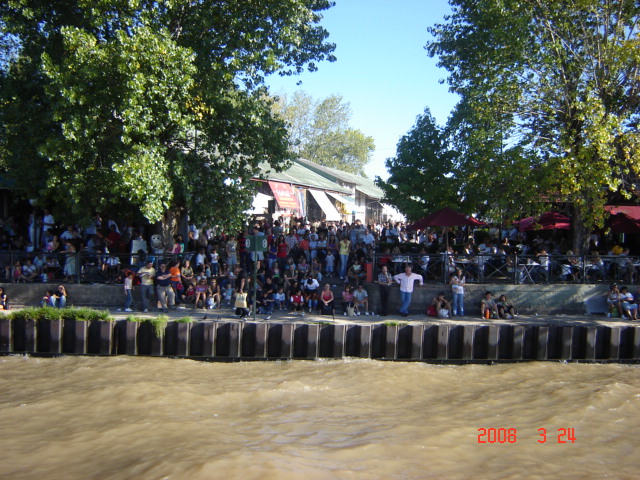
[[77, 267], [516, 269], [91, 267]]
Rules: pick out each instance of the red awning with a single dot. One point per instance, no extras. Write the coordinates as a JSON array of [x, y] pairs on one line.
[[632, 211], [285, 195]]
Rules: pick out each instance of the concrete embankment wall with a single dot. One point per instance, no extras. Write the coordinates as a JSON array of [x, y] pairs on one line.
[[253, 341], [529, 299]]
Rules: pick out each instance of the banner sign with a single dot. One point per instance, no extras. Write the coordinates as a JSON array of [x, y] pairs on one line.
[[285, 195]]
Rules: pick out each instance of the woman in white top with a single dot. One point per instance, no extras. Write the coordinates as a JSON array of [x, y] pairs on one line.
[[128, 286], [457, 286], [613, 300]]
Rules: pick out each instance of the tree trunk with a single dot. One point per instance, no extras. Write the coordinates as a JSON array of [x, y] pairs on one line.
[[580, 234], [174, 221]]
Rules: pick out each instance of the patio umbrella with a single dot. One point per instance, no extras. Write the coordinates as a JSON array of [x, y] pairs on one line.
[[445, 217], [623, 223], [546, 221]]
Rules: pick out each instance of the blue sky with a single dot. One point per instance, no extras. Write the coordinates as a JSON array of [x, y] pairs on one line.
[[382, 69]]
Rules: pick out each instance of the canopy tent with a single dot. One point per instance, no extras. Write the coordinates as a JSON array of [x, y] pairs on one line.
[[623, 223], [546, 221], [445, 217]]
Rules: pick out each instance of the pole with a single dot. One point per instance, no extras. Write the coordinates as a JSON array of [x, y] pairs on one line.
[[255, 284]]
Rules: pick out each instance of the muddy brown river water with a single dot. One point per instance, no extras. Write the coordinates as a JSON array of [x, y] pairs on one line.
[[157, 418]]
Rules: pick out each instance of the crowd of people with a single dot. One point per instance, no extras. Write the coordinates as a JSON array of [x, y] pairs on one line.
[[210, 268]]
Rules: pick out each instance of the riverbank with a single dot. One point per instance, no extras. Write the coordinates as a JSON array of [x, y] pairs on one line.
[[219, 335]]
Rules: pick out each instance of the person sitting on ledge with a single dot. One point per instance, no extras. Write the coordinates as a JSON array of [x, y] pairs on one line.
[[327, 301], [4, 301], [347, 300], [629, 308], [46, 299], [505, 308], [297, 302], [357, 273], [488, 307], [58, 298], [439, 303], [361, 299], [613, 301]]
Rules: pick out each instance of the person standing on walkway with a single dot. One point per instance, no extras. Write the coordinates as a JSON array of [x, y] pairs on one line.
[[146, 274], [406, 281], [457, 287], [128, 286], [385, 280], [164, 291]]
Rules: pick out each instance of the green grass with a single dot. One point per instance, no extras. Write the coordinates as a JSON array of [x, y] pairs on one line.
[[394, 323], [50, 313], [86, 314], [185, 320], [158, 323]]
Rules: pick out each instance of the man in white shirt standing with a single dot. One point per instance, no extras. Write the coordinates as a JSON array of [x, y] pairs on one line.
[[406, 281]]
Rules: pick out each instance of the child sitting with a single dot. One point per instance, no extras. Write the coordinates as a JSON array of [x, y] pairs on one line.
[[505, 307], [228, 293], [297, 302], [46, 300], [201, 294], [488, 307], [189, 295], [279, 299], [440, 307]]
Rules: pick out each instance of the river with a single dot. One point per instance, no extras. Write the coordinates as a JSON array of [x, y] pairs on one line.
[[158, 418]]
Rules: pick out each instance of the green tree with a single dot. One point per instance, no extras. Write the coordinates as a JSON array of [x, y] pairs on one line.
[[158, 106], [320, 131], [422, 174], [550, 101]]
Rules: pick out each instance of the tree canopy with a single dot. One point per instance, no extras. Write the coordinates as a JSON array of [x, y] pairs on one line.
[[320, 131], [155, 105], [422, 177], [549, 110]]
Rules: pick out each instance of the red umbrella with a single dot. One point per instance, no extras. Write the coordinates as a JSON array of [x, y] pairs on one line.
[[622, 223], [445, 217], [546, 221]]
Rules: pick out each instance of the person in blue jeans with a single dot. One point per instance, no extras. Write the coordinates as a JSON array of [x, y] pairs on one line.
[[407, 281], [344, 248], [58, 298], [457, 287]]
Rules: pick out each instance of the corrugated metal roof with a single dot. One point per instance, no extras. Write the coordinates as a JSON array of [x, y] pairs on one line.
[[362, 184], [300, 175]]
